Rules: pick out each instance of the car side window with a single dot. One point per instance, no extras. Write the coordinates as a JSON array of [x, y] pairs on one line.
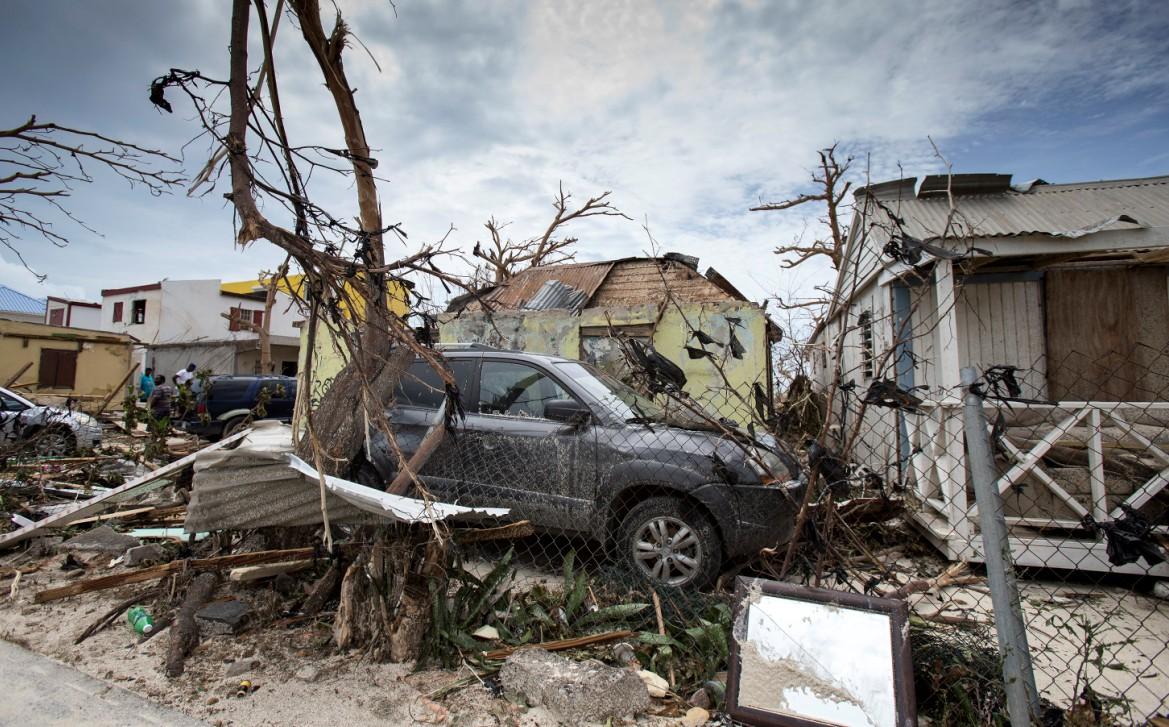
[[516, 390], [11, 403], [422, 386], [279, 390]]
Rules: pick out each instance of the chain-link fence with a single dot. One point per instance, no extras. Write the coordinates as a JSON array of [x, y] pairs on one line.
[[1078, 459]]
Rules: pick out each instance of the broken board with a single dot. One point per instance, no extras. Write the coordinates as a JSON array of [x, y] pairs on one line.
[[96, 504]]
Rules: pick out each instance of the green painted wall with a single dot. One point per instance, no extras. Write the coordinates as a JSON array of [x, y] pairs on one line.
[[559, 332]]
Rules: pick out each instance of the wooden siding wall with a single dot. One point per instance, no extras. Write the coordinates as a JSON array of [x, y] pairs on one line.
[[1002, 324], [641, 281]]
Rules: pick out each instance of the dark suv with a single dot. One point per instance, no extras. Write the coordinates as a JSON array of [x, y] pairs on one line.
[[576, 451], [227, 403]]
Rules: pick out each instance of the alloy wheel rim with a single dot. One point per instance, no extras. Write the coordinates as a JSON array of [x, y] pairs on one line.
[[52, 444], [667, 550]]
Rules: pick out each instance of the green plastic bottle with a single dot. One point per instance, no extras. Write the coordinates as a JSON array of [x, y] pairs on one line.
[[140, 620]]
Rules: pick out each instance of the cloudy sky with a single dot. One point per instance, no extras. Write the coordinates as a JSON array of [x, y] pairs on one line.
[[690, 112]]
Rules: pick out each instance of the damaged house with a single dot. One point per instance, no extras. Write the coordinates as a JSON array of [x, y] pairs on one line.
[[576, 310], [213, 324], [1058, 294]]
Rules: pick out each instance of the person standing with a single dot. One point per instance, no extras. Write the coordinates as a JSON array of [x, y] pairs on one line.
[[146, 384], [183, 378], [161, 398]]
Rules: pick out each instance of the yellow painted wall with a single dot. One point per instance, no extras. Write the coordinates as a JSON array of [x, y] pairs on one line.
[[558, 333], [329, 356], [102, 358]]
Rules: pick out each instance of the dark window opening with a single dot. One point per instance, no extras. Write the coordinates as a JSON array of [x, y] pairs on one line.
[[865, 321], [422, 386], [288, 368], [138, 312], [57, 317]]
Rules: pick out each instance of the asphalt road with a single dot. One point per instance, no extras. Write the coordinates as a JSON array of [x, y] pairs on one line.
[[39, 691]]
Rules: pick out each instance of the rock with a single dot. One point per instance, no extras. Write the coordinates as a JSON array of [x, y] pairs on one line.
[[696, 716], [656, 686], [223, 617], [699, 698], [1161, 589], [624, 653], [101, 540], [577, 691], [212, 700], [150, 554], [241, 667], [308, 673], [490, 633]]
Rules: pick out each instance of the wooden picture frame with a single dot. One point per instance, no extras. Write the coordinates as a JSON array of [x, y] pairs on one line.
[[902, 665]]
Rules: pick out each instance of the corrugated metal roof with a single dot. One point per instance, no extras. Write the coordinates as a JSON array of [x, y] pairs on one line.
[[555, 294], [527, 285], [13, 301], [1045, 209]]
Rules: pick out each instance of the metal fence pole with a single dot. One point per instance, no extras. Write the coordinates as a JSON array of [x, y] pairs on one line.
[[1022, 697]]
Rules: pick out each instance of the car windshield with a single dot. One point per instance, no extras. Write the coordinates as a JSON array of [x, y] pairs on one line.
[[621, 399]]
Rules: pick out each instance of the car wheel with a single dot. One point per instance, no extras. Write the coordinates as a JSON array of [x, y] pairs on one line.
[[54, 442], [671, 542], [233, 426]]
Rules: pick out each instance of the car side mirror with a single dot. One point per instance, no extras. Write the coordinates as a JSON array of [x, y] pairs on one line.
[[569, 411]]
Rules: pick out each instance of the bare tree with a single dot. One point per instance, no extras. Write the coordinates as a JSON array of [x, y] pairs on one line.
[[505, 257], [42, 163], [831, 189]]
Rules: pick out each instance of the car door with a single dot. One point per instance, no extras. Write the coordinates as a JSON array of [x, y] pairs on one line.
[[521, 459]]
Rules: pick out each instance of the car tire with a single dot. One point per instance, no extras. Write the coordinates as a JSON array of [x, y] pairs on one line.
[[54, 441], [232, 426], [672, 542]]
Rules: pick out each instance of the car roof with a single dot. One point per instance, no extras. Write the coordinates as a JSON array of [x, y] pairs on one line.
[[503, 354]]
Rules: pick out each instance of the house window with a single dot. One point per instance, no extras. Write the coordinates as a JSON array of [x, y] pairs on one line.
[[138, 312], [58, 369], [118, 312], [57, 317], [865, 322]]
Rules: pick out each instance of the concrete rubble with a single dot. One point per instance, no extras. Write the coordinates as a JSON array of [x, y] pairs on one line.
[[578, 691], [223, 617], [102, 539]]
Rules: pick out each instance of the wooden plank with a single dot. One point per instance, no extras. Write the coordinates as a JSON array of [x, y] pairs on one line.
[[16, 377], [249, 573], [115, 515], [1047, 480], [949, 364], [113, 392], [160, 571], [1096, 465], [95, 505], [559, 644], [1036, 453]]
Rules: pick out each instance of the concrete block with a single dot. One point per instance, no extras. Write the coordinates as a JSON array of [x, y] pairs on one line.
[[584, 691], [150, 554], [223, 617]]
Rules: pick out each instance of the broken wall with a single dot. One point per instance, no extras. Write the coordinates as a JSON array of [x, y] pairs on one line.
[[583, 335]]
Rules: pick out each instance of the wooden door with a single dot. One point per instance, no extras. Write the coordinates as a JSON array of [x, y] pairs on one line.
[[1108, 334]]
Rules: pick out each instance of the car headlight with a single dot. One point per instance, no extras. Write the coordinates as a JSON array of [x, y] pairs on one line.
[[766, 465]]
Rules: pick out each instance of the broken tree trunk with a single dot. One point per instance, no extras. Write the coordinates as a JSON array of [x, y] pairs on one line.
[[336, 419], [184, 635], [426, 447], [323, 590]]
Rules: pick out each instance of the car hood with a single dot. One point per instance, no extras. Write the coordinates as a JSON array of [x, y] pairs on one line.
[[40, 415], [709, 450]]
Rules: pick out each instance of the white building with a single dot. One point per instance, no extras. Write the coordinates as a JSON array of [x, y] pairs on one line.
[[1064, 285], [73, 313], [205, 322]]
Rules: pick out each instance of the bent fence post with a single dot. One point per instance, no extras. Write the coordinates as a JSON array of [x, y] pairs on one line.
[[1022, 697]]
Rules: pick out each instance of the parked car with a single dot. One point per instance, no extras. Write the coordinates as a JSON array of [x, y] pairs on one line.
[[50, 431], [228, 403], [575, 451]]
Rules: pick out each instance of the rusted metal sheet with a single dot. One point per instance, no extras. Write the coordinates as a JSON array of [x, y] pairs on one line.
[[524, 287]]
